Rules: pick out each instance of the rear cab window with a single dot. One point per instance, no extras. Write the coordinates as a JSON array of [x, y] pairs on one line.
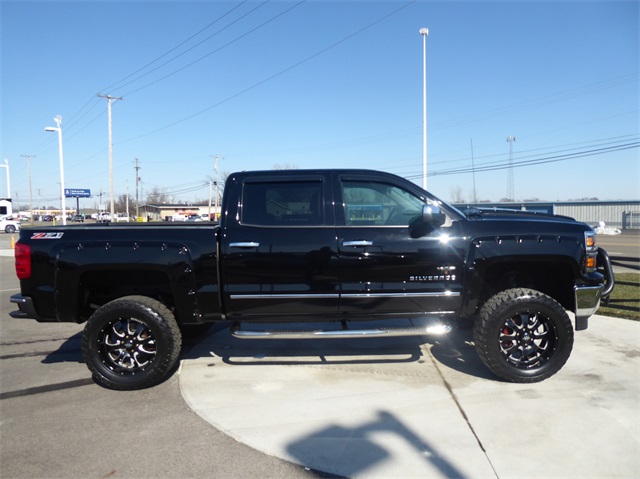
[[295, 202]]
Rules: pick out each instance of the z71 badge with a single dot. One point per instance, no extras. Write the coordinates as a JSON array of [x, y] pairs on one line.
[[57, 235]]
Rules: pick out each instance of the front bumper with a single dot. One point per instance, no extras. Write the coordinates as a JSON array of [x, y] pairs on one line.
[[588, 297]]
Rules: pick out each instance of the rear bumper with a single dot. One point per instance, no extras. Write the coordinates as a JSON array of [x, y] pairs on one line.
[[27, 309], [588, 297]]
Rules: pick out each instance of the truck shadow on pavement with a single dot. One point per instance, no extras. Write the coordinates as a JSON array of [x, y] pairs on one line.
[[68, 352], [454, 350]]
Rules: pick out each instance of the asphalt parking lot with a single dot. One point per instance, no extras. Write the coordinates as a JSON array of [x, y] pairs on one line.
[[411, 407], [56, 423]]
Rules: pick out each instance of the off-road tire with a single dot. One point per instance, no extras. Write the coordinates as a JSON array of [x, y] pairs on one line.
[[523, 335], [131, 343]]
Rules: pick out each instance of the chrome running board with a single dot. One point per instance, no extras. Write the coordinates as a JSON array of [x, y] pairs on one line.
[[432, 328]]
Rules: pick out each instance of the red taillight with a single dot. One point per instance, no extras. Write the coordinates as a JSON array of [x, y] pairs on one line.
[[23, 260]]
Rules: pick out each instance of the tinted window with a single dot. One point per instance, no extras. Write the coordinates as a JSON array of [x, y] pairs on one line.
[[378, 204], [285, 203]]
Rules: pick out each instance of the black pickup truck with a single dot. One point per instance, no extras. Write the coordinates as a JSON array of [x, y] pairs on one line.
[[301, 248]]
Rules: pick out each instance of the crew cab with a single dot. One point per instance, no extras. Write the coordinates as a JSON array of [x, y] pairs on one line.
[[311, 247]]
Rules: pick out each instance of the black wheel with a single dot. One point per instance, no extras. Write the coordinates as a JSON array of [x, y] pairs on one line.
[[9, 229], [523, 336], [131, 343]]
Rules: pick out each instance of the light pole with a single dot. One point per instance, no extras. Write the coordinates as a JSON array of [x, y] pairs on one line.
[[110, 99], [6, 165], [424, 32], [58, 120], [28, 157]]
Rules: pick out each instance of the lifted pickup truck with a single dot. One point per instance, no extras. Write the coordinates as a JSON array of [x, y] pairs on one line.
[[317, 246]]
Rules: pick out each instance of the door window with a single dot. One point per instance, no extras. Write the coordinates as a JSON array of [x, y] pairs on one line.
[[284, 203], [368, 203]]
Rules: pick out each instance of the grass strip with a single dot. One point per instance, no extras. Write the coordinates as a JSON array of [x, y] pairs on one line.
[[625, 298]]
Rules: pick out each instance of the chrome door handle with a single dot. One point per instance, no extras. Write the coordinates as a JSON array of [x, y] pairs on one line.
[[357, 243], [244, 244]]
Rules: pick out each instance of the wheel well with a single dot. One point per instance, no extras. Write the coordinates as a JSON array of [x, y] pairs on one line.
[[97, 288], [551, 278]]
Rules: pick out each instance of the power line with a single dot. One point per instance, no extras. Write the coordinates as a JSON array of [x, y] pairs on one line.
[[113, 85], [538, 161], [253, 30], [275, 75], [536, 102]]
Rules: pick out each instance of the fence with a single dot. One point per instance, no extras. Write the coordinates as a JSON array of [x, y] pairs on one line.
[[630, 220]]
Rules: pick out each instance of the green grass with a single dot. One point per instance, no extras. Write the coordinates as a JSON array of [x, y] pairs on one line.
[[625, 298]]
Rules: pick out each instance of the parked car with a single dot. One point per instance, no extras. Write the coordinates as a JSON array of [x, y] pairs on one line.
[[9, 226], [78, 218]]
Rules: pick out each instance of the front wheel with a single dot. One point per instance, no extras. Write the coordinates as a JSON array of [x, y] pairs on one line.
[[523, 335], [131, 343], [9, 229]]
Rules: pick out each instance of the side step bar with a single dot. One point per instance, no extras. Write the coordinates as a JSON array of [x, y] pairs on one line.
[[432, 328]]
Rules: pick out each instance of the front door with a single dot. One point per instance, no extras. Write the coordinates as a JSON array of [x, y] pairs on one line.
[[384, 266]]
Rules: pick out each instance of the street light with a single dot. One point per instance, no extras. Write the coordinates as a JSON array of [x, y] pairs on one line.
[[6, 165], [424, 32], [58, 120]]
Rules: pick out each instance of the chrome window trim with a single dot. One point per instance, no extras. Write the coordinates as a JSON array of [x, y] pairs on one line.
[[285, 296], [447, 294]]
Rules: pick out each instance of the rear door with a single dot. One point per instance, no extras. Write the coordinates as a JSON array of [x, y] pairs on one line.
[[279, 253], [385, 265]]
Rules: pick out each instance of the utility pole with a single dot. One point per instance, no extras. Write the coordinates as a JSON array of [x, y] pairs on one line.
[[210, 190], [110, 99], [215, 198], [137, 180], [510, 187], [473, 171], [28, 157]]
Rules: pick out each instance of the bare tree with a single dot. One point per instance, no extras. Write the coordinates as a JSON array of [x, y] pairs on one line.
[[456, 194], [284, 166], [121, 205], [157, 196]]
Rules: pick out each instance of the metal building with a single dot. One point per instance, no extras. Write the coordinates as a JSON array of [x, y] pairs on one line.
[[618, 214]]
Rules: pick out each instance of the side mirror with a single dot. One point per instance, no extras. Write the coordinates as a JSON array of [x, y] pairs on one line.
[[433, 216]]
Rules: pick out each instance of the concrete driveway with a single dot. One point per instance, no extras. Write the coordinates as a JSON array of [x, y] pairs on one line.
[[418, 407]]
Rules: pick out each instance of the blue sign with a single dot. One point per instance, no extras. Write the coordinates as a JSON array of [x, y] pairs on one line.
[[76, 193]]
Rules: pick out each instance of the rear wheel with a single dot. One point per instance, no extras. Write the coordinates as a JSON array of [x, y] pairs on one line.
[[523, 336], [131, 343], [9, 229]]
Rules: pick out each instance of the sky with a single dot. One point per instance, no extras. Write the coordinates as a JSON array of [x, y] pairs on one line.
[[332, 84]]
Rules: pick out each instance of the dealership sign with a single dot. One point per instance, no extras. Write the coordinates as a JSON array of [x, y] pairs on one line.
[[77, 193]]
